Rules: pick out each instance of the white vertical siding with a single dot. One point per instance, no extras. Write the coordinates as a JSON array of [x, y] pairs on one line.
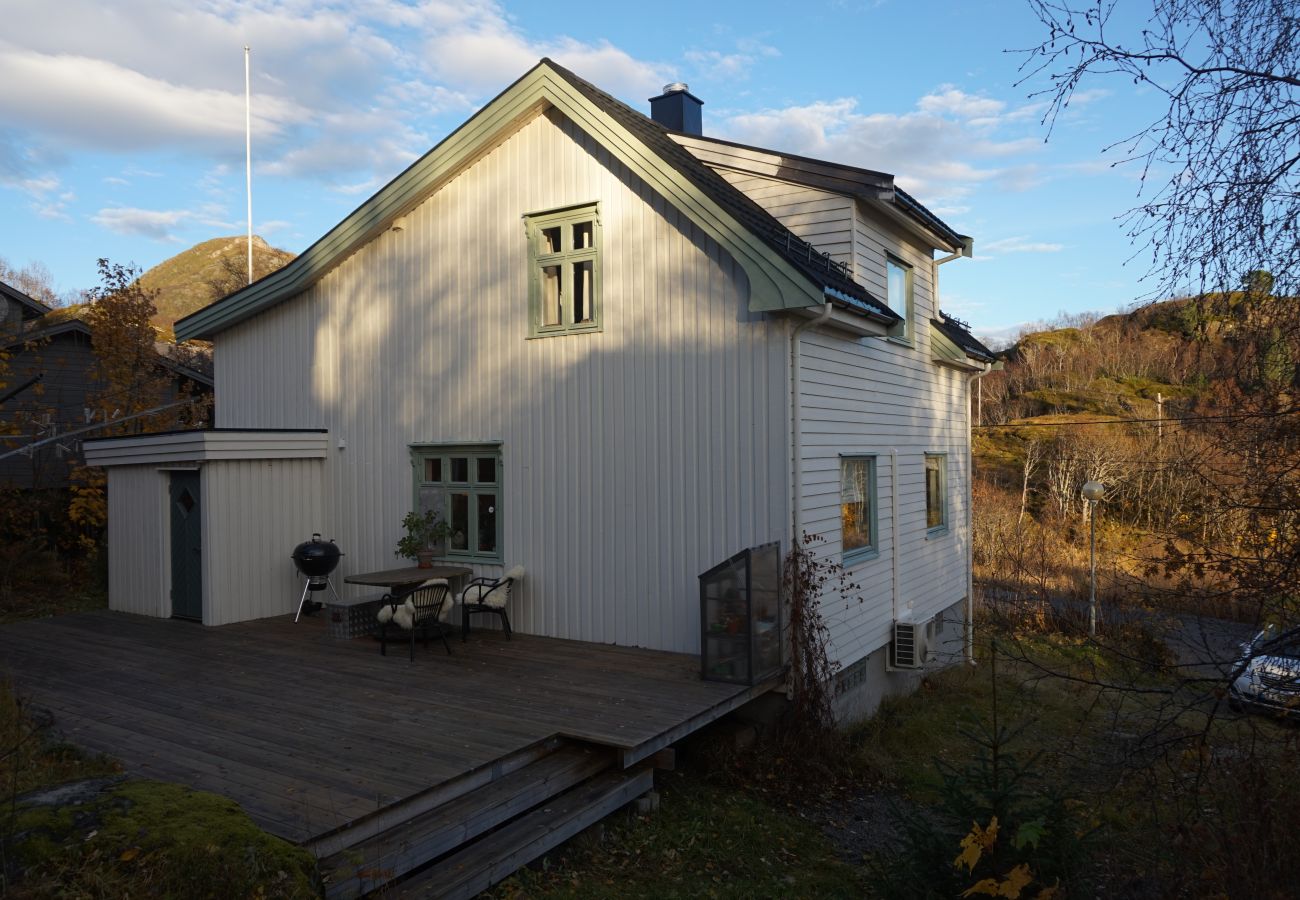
[[874, 396], [254, 513], [138, 578], [634, 459]]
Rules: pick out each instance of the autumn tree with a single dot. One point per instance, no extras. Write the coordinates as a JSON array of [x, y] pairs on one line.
[[1221, 162], [132, 391]]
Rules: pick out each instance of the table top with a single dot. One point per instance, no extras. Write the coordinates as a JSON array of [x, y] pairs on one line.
[[409, 575]]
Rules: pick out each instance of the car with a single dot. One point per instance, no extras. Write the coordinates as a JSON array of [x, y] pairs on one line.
[[1266, 677]]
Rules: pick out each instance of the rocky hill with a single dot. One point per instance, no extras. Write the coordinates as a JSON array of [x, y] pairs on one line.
[[206, 272]]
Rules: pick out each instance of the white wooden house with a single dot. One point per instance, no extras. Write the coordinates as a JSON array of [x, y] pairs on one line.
[[611, 351]]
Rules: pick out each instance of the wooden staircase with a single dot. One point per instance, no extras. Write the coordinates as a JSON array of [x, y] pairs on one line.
[[464, 836]]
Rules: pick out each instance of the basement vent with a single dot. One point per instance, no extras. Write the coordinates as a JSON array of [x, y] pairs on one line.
[[851, 677]]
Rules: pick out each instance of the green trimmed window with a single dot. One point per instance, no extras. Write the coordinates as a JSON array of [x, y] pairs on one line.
[[898, 282], [936, 491], [462, 483], [858, 530], [564, 270]]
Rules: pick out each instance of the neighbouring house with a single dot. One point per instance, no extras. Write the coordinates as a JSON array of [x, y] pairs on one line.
[[606, 347], [47, 383]]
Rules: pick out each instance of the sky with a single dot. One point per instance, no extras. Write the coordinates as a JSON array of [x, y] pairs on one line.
[[122, 121]]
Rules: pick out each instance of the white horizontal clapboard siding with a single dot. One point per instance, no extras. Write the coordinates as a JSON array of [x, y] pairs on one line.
[[634, 458], [871, 396]]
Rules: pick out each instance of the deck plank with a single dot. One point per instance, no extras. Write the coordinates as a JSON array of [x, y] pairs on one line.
[[309, 733]]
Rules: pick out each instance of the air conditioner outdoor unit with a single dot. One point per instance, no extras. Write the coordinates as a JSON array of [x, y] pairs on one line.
[[909, 649]]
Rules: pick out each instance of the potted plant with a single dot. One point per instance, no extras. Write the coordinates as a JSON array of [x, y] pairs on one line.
[[425, 532]]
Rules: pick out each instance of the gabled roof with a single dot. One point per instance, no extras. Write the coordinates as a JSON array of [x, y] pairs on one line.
[[783, 271], [813, 264], [32, 308], [68, 320], [958, 332], [875, 188]]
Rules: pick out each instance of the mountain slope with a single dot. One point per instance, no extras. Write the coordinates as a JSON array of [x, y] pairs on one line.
[[205, 272]]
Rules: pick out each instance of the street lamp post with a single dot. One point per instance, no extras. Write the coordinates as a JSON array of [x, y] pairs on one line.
[[1093, 491]]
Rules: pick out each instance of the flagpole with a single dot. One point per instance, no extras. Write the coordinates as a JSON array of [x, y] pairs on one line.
[[248, 158]]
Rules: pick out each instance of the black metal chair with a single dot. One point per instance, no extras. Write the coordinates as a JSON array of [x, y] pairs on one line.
[[490, 596], [418, 611]]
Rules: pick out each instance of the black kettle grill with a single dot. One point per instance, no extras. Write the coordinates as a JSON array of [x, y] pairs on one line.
[[315, 560]]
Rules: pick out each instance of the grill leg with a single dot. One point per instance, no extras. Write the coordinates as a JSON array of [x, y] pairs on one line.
[[306, 589]]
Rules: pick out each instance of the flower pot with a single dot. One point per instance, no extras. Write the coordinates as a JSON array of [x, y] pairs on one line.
[[424, 559]]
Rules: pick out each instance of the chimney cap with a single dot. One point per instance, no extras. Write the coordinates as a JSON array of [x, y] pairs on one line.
[[677, 87]]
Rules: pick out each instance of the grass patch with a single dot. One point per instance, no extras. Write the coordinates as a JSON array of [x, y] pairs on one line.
[[107, 836], [705, 840]]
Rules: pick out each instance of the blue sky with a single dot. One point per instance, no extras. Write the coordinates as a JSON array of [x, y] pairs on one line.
[[121, 122]]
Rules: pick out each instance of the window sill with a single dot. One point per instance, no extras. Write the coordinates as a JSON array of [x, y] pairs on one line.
[[902, 342], [854, 557], [562, 332], [937, 532]]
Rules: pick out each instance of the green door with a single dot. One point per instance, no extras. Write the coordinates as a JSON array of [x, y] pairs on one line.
[[187, 546]]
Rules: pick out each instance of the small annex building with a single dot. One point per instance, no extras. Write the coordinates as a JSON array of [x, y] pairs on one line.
[[603, 346]]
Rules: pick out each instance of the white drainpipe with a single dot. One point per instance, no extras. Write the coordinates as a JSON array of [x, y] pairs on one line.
[[796, 436], [970, 533]]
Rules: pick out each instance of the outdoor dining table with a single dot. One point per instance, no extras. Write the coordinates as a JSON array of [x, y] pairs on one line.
[[400, 581]]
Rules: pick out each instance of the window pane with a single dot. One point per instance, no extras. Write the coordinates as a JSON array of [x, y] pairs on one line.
[[855, 504], [897, 288], [933, 492], [433, 469], [487, 470], [582, 291], [582, 236], [460, 469], [552, 291], [460, 521], [551, 240], [487, 523]]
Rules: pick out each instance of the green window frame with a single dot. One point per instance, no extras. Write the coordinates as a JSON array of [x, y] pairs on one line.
[[899, 296], [859, 517], [564, 270], [936, 493], [463, 483]]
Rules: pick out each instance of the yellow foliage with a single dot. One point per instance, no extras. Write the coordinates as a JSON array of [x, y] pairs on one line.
[[974, 844], [1010, 887]]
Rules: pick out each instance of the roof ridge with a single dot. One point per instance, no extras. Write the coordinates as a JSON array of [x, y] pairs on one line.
[[741, 206]]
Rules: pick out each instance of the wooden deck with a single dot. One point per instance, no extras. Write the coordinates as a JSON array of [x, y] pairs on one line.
[[312, 735]]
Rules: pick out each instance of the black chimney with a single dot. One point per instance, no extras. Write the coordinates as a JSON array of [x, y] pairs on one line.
[[677, 109]]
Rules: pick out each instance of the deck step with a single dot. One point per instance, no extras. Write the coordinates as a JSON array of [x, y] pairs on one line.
[[380, 820], [495, 856], [408, 844]]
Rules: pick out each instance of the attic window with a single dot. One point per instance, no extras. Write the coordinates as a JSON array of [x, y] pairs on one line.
[[564, 270]]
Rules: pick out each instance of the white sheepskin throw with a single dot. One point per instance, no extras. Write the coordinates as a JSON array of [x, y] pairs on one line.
[[385, 614], [409, 606], [404, 618], [515, 574]]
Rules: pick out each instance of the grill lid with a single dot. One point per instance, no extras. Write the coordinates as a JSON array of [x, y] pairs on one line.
[[316, 557]]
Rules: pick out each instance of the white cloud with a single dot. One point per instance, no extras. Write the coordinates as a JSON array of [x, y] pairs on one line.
[[942, 150], [100, 104], [1018, 244], [477, 48], [151, 223], [721, 65]]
